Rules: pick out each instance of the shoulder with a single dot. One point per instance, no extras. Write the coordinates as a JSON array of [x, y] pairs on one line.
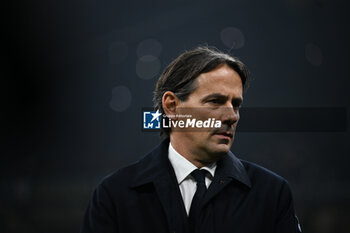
[[143, 171], [124, 176], [261, 176], [274, 192], [121, 176], [254, 169]]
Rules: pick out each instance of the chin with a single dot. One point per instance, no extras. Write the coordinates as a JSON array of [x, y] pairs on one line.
[[224, 150], [223, 145], [221, 150]]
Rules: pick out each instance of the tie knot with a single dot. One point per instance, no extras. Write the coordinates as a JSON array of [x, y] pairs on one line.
[[199, 175]]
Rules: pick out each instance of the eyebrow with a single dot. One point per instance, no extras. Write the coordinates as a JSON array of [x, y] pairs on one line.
[[221, 96]]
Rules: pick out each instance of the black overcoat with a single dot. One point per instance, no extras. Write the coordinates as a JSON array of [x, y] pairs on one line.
[[144, 197]]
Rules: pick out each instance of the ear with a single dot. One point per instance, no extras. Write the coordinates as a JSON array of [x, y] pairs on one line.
[[170, 102]]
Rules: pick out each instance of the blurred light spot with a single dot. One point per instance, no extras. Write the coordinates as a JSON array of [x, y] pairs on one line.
[[121, 98], [149, 47], [232, 37], [313, 54], [117, 52], [147, 67]]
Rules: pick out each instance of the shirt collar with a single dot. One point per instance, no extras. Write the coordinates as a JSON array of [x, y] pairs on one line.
[[183, 167], [156, 164]]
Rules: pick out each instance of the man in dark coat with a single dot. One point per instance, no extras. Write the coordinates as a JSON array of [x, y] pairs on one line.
[[191, 182]]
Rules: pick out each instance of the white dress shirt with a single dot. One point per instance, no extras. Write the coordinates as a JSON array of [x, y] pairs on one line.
[[186, 182]]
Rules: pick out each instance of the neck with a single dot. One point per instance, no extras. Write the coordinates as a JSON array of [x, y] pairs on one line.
[[187, 154]]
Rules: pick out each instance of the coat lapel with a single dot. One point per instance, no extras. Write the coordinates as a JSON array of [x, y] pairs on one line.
[[171, 201], [228, 168], [155, 168]]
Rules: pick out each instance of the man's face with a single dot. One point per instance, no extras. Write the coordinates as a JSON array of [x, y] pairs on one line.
[[218, 95]]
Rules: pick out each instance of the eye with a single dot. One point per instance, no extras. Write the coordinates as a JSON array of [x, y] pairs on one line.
[[215, 101], [236, 104]]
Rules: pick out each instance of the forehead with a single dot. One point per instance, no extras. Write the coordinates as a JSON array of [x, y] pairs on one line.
[[223, 79]]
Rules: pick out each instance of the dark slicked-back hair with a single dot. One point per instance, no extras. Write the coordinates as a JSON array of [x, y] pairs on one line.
[[180, 75]]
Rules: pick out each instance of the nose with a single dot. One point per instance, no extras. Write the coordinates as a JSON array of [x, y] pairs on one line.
[[230, 115]]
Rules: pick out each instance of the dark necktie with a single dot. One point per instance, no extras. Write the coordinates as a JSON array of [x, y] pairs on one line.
[[199, 176]]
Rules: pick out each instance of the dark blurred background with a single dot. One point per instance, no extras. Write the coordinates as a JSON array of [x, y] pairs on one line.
[[76, 74]]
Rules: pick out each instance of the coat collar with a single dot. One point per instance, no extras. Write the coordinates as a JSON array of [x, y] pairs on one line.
[[156, 164], [231, 166]]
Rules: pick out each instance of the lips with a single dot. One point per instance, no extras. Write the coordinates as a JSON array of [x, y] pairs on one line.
[[225, 133]]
